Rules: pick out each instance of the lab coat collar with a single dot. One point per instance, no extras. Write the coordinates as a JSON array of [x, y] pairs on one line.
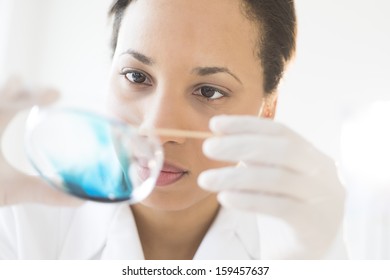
[[109, 232], [86, 236], [123, 242], [233, 235]]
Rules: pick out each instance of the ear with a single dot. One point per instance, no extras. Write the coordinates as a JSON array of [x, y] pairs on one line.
[[269, 107]]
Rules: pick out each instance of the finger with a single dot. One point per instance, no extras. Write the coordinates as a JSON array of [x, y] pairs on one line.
[[16, 93], [46, 97], [267, 180], [233, 124], [277, 206], [287, 153]]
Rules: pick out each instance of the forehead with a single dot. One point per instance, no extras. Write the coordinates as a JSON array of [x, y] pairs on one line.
[[216, 28]]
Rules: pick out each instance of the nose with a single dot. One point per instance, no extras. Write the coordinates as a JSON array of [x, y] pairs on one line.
[[163, 111]]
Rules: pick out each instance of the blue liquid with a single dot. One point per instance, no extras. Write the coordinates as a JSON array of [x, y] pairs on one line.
[[97, 182], [100, 176]]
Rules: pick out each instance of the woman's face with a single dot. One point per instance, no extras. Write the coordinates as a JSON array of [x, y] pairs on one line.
[[177, 64]]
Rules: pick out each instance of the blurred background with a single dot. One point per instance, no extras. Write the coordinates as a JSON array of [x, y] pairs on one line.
[[61, 44], [336, 93]]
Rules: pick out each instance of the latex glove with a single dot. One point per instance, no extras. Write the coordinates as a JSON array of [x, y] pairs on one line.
[[17, 187], [280, 175]]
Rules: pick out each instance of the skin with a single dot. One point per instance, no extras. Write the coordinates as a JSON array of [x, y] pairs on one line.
[[15, 186], [177, 48]]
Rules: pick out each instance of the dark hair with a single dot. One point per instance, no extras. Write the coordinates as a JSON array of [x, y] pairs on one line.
[[276, 20]]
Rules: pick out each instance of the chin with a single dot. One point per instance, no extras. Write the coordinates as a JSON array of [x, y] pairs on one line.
[[179, 200]]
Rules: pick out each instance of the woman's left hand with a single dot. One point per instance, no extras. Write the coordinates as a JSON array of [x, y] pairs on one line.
[[280, 175], [17, 187]]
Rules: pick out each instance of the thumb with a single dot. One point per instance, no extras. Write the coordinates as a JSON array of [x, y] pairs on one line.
[[16, 96], [46, 97]]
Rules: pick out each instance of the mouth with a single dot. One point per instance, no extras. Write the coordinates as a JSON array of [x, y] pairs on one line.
[[169, 174]]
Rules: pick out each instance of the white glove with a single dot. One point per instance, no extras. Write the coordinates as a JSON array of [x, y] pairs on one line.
[[280, 175], [17, 187]]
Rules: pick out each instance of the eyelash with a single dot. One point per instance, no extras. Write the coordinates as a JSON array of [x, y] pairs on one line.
[[126, 72], [198, 92]]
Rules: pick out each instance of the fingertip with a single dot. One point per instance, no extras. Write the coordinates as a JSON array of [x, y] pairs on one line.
[[224, 199], [206, 180], [216, 123], [202, 180], [210, 146], [48, 97]]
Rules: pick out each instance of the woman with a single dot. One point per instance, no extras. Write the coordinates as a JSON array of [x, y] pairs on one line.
[[182, 64]]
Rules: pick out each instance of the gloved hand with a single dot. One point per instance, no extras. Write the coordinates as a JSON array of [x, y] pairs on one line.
[[279, 175], [17, 187]]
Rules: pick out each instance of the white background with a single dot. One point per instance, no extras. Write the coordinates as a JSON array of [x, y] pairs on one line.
[[341, 63], [57, 43]]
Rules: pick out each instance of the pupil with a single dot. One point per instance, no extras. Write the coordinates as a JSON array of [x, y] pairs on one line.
[[138, 77], [207, 92]]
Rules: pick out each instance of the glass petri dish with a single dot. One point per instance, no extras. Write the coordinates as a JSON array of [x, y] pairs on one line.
[[92, 156]]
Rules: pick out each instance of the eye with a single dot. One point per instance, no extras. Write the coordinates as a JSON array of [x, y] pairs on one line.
[[210, 93], [136, 77]]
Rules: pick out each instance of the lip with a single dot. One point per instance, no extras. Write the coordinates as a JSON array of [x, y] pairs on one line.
[[169, 174]]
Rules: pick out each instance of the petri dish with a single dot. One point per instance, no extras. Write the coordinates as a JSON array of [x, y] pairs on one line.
[[92, 156]]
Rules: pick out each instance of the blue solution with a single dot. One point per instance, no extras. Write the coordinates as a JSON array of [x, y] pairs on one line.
[[106, 177], [97, 183]]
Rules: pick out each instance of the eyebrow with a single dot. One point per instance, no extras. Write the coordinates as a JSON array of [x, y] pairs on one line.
[[139, 56], [201, 71], [204, 71]]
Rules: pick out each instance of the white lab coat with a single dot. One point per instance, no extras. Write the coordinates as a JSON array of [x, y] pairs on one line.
[[106, 231]]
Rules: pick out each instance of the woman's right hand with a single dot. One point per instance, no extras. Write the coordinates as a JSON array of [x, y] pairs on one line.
[[15, 186]]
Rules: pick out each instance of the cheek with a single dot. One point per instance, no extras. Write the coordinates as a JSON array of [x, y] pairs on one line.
[[176, 201], [250, 104], [121, 102], [130, 111]]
